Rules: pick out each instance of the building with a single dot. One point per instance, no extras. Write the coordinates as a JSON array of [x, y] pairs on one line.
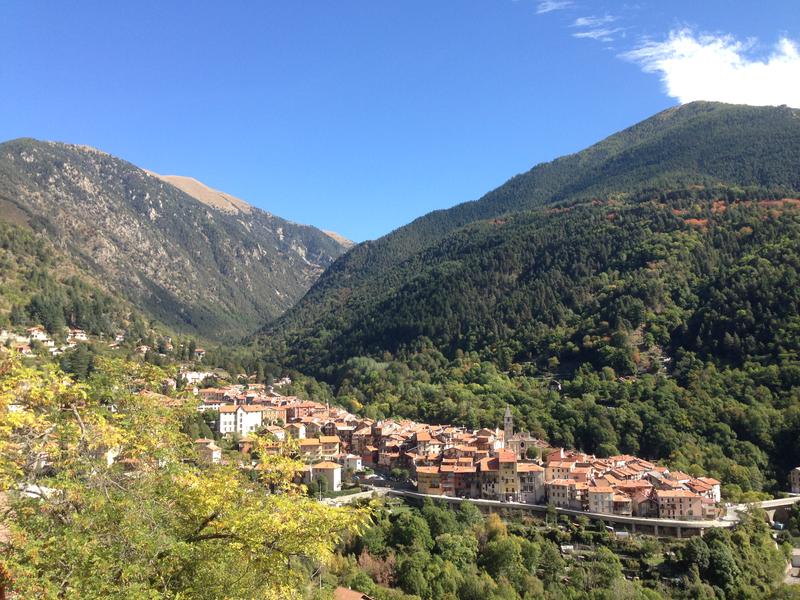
[[331, 472], [208, 450], [531, 483], [559, 469], [352, 462], [77, 335], [498, 477], [191, 377], [329, 446], [296, 430], [276, 432], [508, 427], [679, 504], [239, 419], [644, 503], [459, 480], [563, 493], [622, 505], [37, 334], [343, 593], [794, 480], [309, 449], [601, 499], [428, 480]]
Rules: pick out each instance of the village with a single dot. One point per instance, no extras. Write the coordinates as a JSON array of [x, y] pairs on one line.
[[445, 460], [499, 464]]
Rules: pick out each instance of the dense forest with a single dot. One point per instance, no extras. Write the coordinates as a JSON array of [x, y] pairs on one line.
[[436, 553], [39, 287], [700, 147]]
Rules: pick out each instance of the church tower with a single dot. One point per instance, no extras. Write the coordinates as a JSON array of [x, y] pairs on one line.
[[508, 428]]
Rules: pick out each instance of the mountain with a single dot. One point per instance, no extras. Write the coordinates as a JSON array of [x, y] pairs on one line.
[[598, 243], [226, 202], [641, 296], [197, 260], [208, 196]]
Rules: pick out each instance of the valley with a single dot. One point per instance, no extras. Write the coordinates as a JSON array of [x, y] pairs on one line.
[[610, 337]]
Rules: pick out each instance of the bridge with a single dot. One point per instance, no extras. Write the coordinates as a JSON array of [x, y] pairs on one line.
[[777, 509], [652, 526]]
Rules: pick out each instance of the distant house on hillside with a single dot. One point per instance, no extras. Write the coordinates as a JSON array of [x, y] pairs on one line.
[[23, 349], [77, 335], [208, 450], [37, 334]]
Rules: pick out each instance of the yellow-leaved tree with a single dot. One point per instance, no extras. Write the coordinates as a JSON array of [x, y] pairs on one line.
[[103, 496]]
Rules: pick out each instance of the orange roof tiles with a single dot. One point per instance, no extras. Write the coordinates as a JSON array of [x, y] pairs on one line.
[[327, 465], [566, 482], [676, 494]]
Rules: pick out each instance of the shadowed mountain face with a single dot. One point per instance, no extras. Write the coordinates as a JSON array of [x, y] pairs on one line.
[[215, 267], [548, 254]]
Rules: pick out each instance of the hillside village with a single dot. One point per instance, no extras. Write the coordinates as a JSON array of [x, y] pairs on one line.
[[494, 464], [23, 343]]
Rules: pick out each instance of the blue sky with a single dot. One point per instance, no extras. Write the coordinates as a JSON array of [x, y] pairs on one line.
[[360, 116]]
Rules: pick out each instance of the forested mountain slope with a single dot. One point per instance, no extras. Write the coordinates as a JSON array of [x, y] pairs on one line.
[[548, 248], [654, 276], [39, 286], [196, 268]]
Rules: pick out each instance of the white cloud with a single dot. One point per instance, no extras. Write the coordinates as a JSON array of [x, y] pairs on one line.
[[596, 28], [720, 68], [603, 34], [550, 5], [593, 21]]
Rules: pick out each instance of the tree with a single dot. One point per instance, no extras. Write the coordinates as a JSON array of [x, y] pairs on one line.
[[461, 550], [722, 568], [503, 558], [411, 573], [550, 563], [468, 515], [605, 568], [88, 529], [410, 529], [440, 519]]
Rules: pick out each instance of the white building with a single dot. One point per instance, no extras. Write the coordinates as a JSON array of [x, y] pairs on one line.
[[195, 377], [241, 419], [77, 335], [37, 334], [331, 472], [352, 462]]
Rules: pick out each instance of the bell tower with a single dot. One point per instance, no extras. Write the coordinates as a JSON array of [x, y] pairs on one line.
[[508, 428]]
